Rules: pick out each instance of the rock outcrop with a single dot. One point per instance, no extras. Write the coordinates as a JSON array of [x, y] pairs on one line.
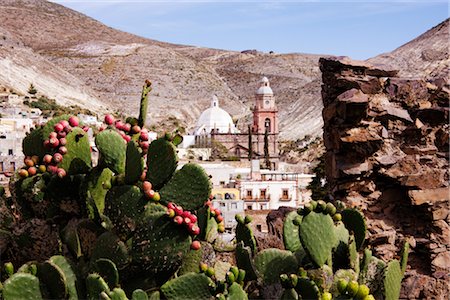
[[387, 142]]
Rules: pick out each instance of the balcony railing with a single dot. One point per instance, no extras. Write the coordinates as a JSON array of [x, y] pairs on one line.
[[285, 199], [257, 199]]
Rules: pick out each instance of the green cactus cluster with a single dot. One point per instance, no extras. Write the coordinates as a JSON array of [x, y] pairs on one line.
[[135, 225]]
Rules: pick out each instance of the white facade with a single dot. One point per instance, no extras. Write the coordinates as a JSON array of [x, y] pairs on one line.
[[229, 209]]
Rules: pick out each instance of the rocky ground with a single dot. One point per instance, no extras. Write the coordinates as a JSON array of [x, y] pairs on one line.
[[387, 152]]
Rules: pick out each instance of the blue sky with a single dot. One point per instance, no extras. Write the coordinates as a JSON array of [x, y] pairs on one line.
[[359, 29]]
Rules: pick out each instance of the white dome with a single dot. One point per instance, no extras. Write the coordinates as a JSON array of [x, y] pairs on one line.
[[215, 118], [264, 89]]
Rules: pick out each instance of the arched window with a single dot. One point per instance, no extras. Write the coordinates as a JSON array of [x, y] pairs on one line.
[[267, 125]]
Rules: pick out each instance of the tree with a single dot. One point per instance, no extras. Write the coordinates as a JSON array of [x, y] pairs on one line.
[[266, 149], [250, 144], [32, 90], [319, 186]]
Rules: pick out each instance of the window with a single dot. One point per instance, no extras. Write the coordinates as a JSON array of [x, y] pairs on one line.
[[10, 152], [1, 166], [249, 194], [259, 227], [263, 206], [222, 183], [267, 124], [285, 194], [222, 204], [262, 193], [13, 166], [249, 207]]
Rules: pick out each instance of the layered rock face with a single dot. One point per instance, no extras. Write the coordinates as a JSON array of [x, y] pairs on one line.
[[387, 143]]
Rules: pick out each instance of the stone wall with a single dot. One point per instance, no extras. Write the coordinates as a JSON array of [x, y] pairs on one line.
[[387, 152]]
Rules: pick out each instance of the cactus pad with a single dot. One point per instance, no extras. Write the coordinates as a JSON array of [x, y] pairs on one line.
[[140, 295], [353, 254], [188, 286], [22, 286], [133, 163], [124, 205], [307, 289], [354, 222], [244, 260], [235, 292], [271, 263], [97, 185], [291, 236], [146, 89], [392, 280], [112, 149], [108, 270], [109, 246], [289, 294], [404, 257], [77, 160], [33, 143], [160, 245], [162, 162], [318, 236], [69, 275], [245, 234], [53, 278], [189, 187], [95, 285]]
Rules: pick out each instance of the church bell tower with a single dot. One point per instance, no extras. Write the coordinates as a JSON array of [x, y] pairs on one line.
[[265, 118]]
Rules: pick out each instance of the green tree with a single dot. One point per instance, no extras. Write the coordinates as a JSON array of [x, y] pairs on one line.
[[319, 186], [32, 90], [266, 149], [250, 144]]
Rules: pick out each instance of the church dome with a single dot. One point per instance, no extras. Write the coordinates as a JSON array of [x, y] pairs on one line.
[[265, 88], [215, 118]]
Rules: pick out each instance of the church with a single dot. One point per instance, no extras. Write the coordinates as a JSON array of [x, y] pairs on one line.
[[260, 141]]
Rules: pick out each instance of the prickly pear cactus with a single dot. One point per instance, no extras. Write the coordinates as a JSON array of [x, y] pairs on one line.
[[77, 160], [134, 164], [354, 222], [22, 286], [245, 234], [124, 205], [160, 245], [189, 187], [291, 235], [162, 162], [392, 280], [318, 236], [271, 263], [188, 286], [112, 150]]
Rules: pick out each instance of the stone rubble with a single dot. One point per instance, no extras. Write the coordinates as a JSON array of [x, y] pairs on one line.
[[387, 142]]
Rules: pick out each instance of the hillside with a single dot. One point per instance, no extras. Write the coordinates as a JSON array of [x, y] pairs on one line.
[[74, 58], [425, 56]]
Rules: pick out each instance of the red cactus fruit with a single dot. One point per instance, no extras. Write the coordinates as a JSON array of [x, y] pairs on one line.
[[23, 173], [195, 245], [73, 121], [32, 171], [58, 127], [62, 150], [47, 158], [61, 173], [146, 185], [178, 220], [109, 120], [57, 158]]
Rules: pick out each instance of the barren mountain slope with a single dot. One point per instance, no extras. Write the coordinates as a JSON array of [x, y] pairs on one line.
[[112, 65], [20, 66], [425, 56]]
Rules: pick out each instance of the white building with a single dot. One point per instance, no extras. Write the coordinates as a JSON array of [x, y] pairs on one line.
[[215, 119], [261, 189]]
